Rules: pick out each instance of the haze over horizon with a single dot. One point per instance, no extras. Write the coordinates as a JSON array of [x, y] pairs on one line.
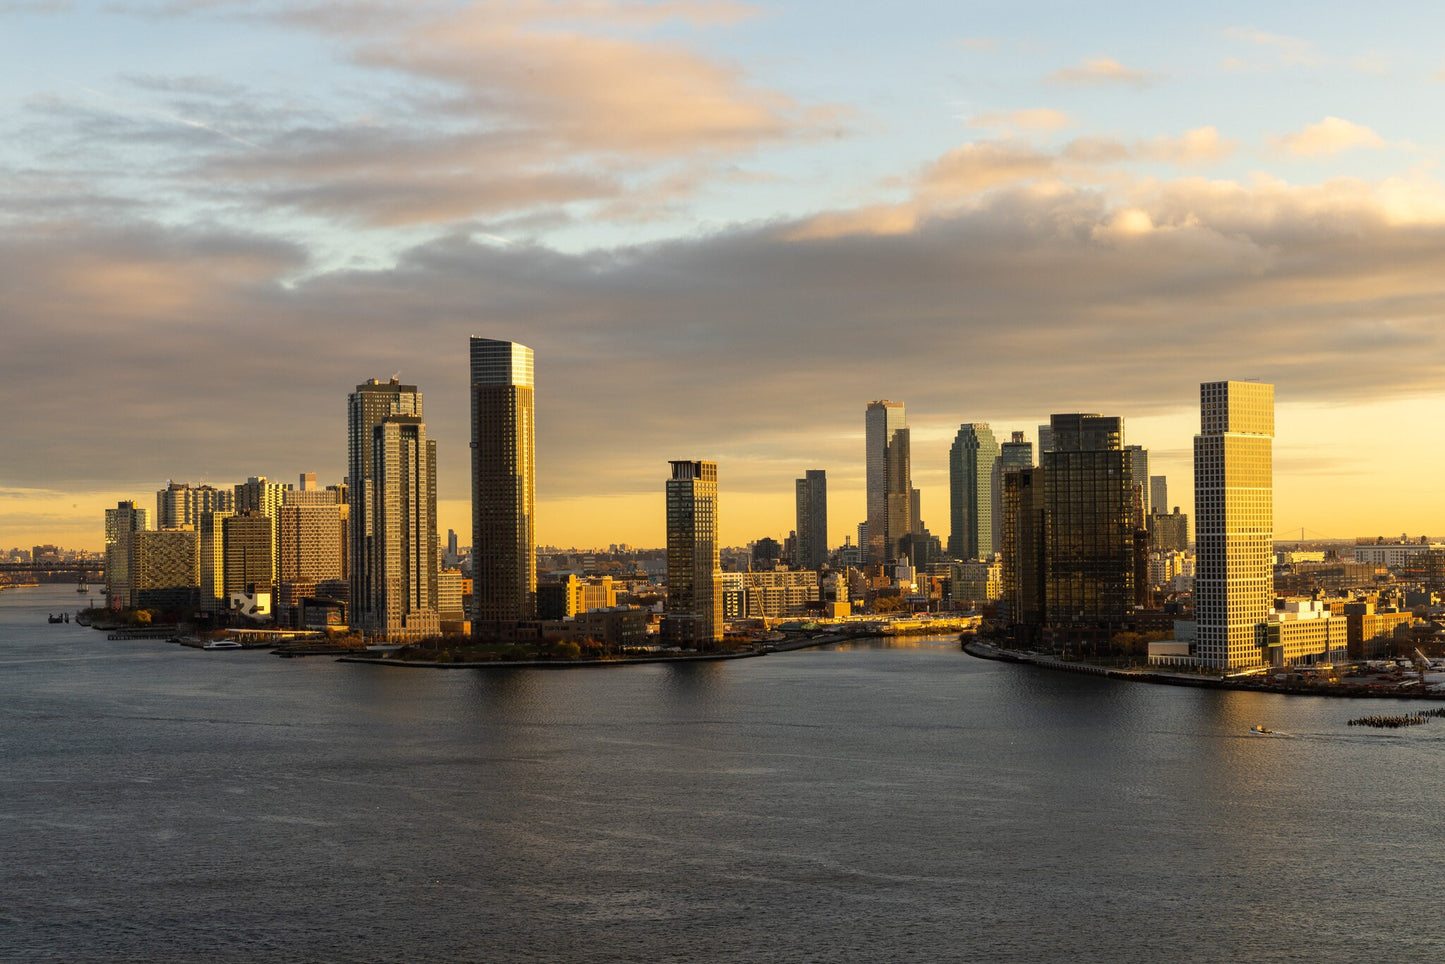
[[723, 228]]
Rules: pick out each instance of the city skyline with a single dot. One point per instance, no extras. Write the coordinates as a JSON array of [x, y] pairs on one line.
[[221, 215]]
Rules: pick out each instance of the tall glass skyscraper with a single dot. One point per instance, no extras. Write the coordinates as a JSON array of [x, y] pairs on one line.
[[1012, 455], [1089, 520], [971, 463], [1234, 522], [504, 445], [694, 617]]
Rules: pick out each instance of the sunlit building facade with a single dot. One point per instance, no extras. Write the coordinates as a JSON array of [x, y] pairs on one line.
[[1234, 523], [163, 569], [248, 552], [971, 462], [181, 504], [504, 549], [260, 495], [404, 530], [889, 487], [211, 560], [373, 401], [120, 523]]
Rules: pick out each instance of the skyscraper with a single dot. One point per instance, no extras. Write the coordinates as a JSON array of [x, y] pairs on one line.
[[971, 463], [1024, 549], [260, 495], [887, 477], [694, 618], [1089, 527], [120, 523], [163, 569], [1158, 493], [366, 407], [504, 552], [404, 529], [248, 552], [1140, 462], [812, 511], [211, 560], [1234, 522], [181, 504], [1012, 455]]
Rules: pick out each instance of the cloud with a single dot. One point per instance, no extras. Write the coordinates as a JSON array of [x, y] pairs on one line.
[[972, 168], [1073, 298], [1330, 136], [1287, 51], [1102, 70], [1034, 119], [478, 110], [1200, 146]]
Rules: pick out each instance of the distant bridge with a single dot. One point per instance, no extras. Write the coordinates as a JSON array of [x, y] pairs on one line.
[[37, 568], [12, 573]]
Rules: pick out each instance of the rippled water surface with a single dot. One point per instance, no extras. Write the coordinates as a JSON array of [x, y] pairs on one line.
[[878, 802]]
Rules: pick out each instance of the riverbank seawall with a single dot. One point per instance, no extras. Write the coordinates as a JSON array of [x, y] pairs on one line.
[[1251, 684]]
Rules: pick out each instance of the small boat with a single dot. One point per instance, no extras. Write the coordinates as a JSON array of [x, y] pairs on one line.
[[1263, 730], [57, 619], [222, 644]]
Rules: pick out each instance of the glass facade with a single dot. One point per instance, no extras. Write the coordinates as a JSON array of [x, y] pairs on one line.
[[504, 566], [971, 463], [1089, 516], [694, 618]]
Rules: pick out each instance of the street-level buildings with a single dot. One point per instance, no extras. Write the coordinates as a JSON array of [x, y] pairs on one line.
[[504, 554], [1168, 532], [1394, 554]]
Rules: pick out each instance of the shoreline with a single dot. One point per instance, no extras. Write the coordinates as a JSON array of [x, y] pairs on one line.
[[1251, 684], [548, 663]]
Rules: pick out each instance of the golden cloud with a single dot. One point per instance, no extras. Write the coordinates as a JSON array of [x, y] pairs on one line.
[[1102, 70], [1332, 135]]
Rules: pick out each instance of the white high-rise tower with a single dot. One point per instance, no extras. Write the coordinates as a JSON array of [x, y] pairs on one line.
[[1234, 523]]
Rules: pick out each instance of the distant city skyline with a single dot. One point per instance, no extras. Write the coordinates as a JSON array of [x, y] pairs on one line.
[[220, 215]]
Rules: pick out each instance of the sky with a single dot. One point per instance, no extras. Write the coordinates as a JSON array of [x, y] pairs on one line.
[[723, 228]]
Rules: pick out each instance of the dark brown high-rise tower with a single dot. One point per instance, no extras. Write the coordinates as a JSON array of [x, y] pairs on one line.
[[504, 567]]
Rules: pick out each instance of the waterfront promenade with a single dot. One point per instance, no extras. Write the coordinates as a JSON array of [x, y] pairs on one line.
[[1257, 683]]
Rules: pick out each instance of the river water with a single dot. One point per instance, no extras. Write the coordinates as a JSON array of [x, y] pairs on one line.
[[885, 801]]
